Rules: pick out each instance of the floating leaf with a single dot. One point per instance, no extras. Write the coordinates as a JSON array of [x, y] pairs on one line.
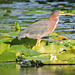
[[68, 42], [53, 48], [5, 35], [4, 47], [71, 60], [61, 38], [40, 12], [24, 50], [7, 56], [1, 40], [14, 33], [67, 55], [53, 34], [6, 40]]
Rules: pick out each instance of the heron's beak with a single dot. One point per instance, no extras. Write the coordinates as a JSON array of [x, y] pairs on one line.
[[67, 14]]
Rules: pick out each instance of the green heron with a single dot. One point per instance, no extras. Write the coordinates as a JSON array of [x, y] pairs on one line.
[[43, 27]]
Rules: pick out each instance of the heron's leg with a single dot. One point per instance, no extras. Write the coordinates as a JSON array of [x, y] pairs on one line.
[[38, 43]]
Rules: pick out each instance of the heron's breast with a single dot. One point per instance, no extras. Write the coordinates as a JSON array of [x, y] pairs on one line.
[[51, 26]]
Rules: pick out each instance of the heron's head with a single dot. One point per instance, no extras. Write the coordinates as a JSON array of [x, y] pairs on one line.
[[58, 13]]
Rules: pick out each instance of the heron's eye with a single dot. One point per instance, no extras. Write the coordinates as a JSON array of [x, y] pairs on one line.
[[61, 12]]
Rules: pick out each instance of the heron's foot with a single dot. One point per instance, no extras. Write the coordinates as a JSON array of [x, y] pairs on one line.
[[53, 57], [37, 45]]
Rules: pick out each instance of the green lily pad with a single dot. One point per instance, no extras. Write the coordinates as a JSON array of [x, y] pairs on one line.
[[68, 42], [24, 50], [67, 55], [7, 56], [1, 40], [42, 56], [53, 34], [71, 60], [5, 35], [5, 40], [72, 42], [52, 48], [73, 47], [14, 33], [4, 47], [40, 12]]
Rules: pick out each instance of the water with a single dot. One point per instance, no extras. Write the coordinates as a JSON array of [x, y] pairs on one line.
[[24, 13], [27, 13], [15, 69]]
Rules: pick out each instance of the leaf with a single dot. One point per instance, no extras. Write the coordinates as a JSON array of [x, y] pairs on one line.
[[67, 55], [68, 42], [1, 40], [5, 40], [53, 34], [7, 56], [32, 53], [17, 26], [71, 60], [40, 12], [22, 49], [61, 38], [14, 33], [52, 48], [4, 47], [5, 35]]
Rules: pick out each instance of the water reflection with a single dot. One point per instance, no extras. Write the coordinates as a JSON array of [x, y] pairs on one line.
[[49, 70], [8, 69], [15, 69]]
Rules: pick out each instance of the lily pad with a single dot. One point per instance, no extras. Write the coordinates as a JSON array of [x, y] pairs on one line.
[[67, 55], [7, 56], [5, 40], [24, 50], [52, 49], [61, 38], [1, 40], [53, 34], [42, 56], [4, 47], [14, 33], [68, 42], [40, 12], [5, 35]]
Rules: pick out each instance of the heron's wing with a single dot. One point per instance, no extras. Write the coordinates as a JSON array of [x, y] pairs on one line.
[[37, 28]]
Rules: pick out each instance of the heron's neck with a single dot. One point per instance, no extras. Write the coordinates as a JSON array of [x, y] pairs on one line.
[[53, 21], [53, 18]]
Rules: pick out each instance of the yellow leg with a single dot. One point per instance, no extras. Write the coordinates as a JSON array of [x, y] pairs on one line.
[[38, 43]]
